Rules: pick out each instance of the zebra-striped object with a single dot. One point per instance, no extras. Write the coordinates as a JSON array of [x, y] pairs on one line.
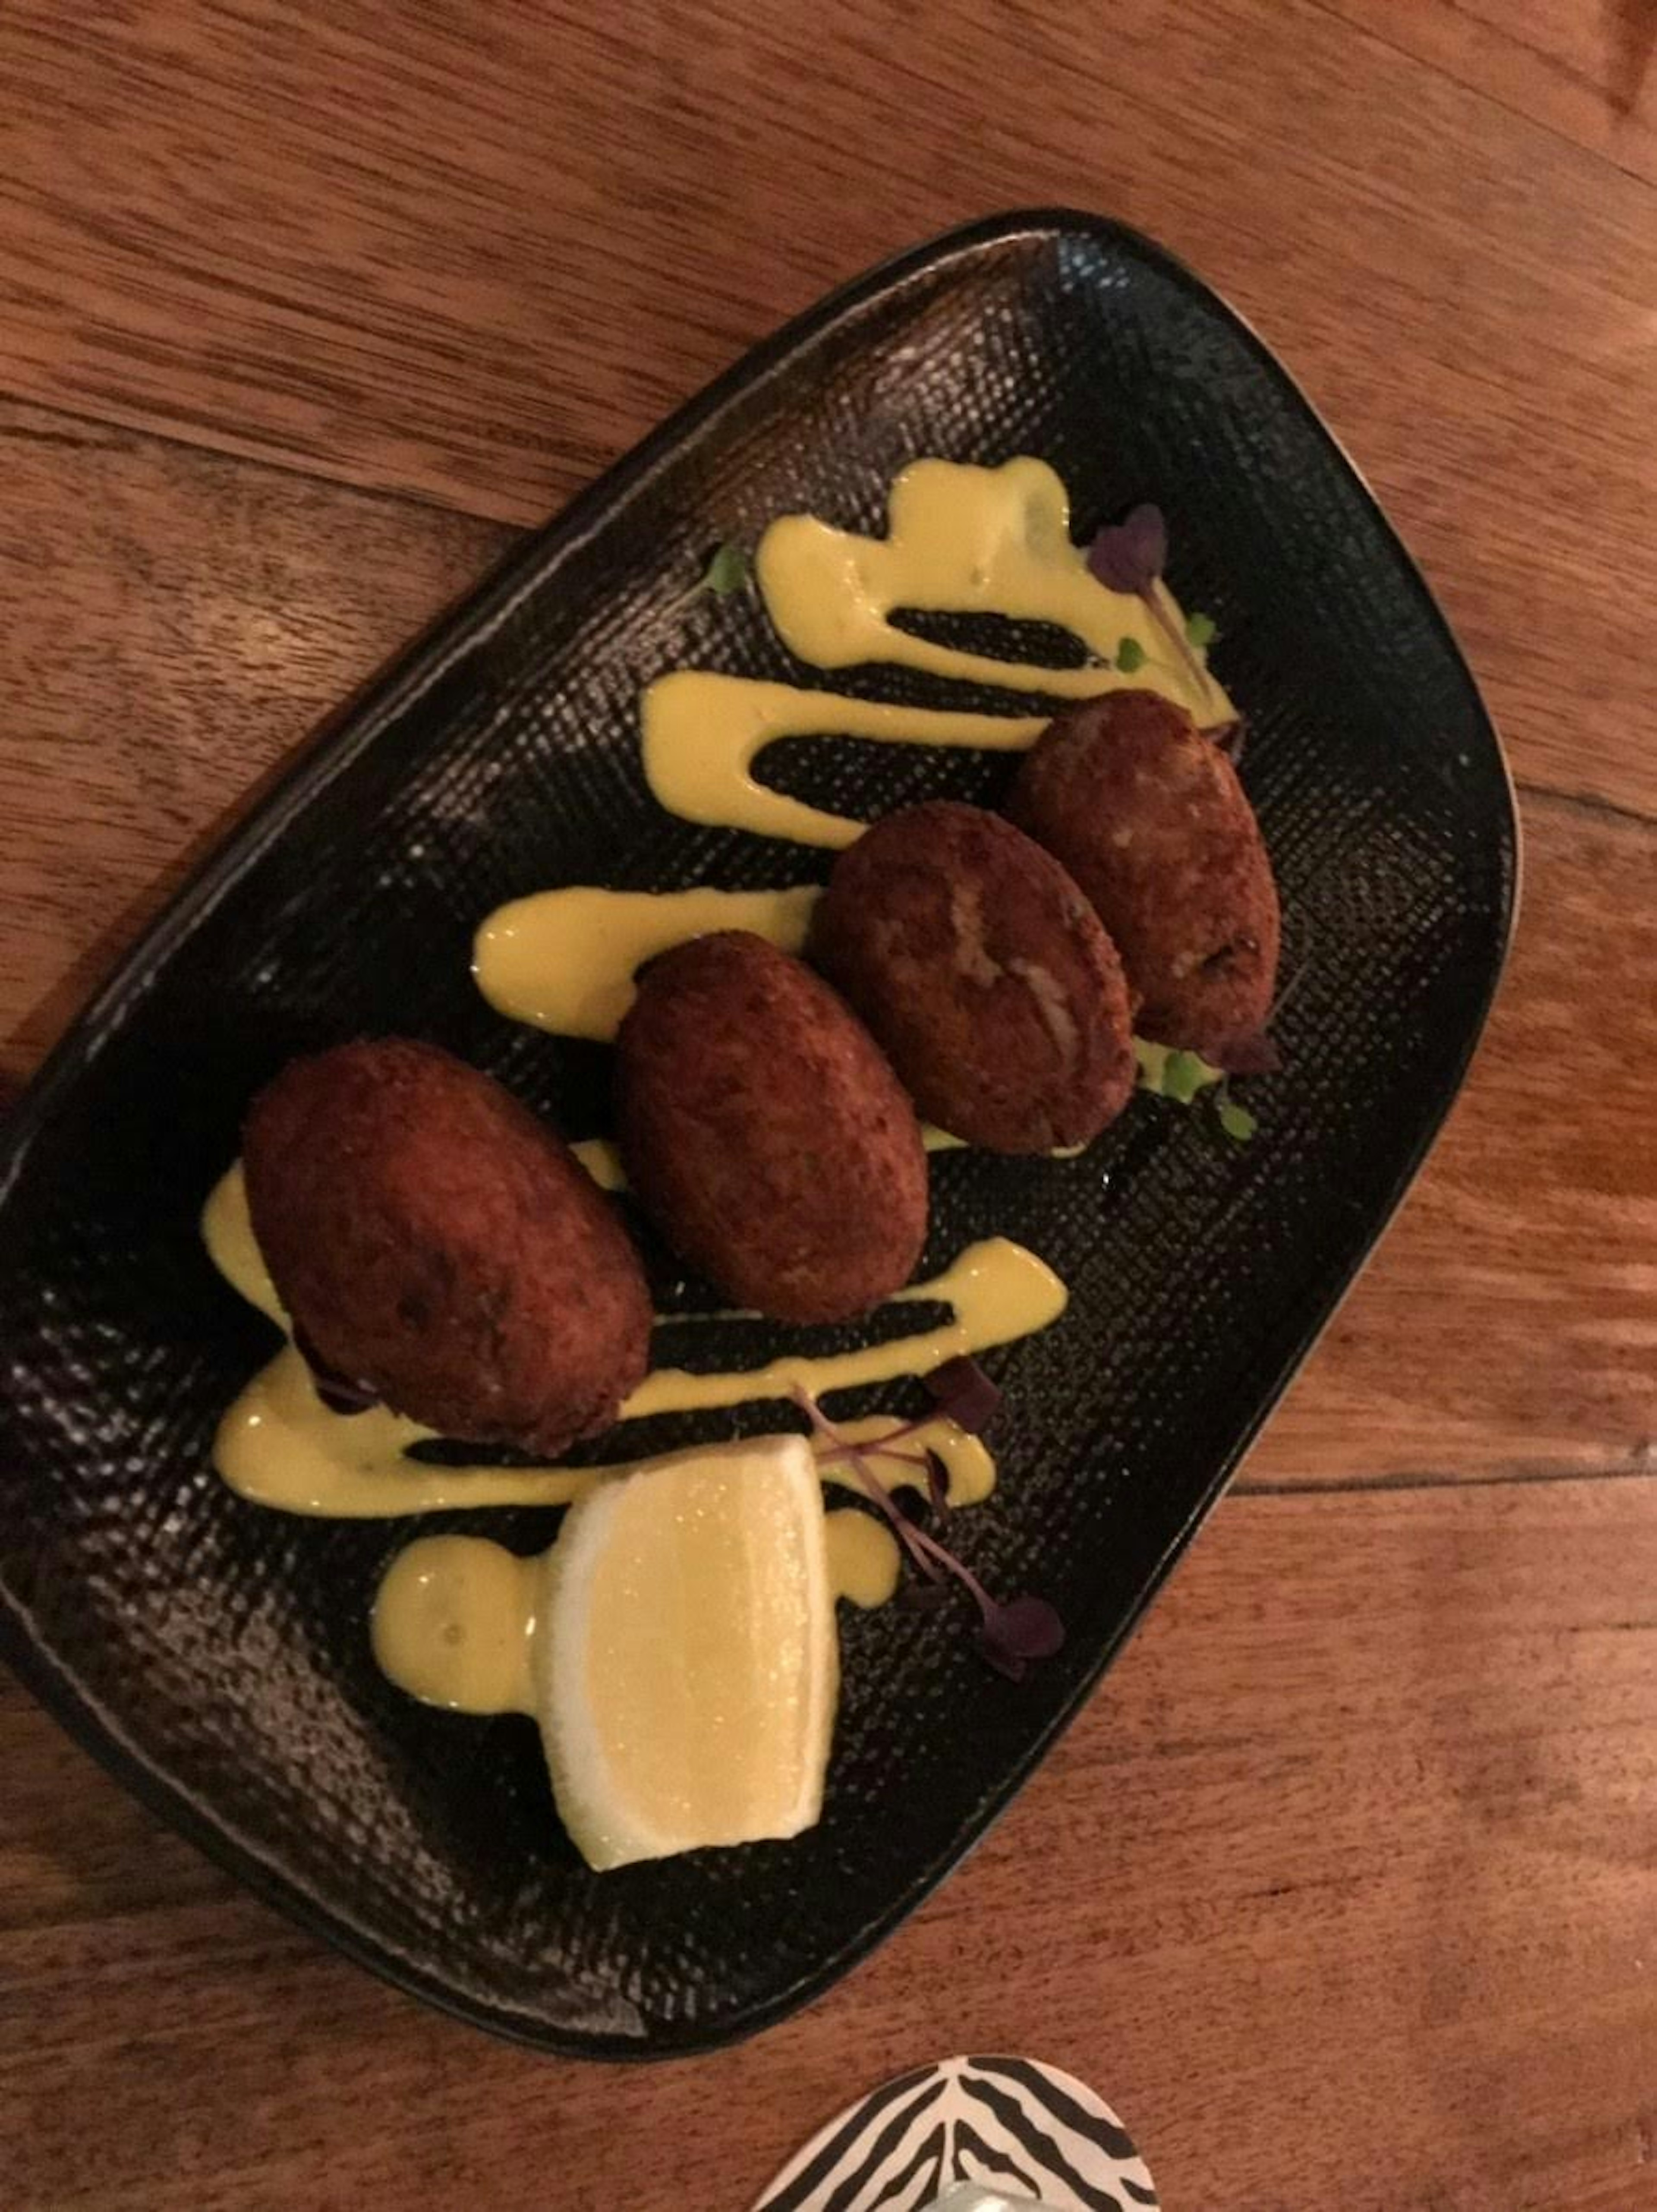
[[1010, 2123]]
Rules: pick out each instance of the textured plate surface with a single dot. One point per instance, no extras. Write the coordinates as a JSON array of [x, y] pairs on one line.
[[215, 1655]]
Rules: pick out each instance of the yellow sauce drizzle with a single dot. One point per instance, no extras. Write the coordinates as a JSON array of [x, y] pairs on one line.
[[963, 540], [454, 1624], [280, 1446], [701, 734], [997, 1289], [565, 960], [602, 1161], [228, 1233], [960, 540], [863, 1566]]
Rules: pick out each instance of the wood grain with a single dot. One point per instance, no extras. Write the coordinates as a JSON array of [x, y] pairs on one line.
[[1509, 1324], [1345, 1888], [1587, 68], [176, 624]]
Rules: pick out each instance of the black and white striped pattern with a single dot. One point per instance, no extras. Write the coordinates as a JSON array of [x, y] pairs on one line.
[[1005, 2123]]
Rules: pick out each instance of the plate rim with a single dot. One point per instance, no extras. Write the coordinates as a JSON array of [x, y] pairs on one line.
[[332, 744]]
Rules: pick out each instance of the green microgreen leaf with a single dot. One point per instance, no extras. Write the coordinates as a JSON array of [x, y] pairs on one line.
[[728, 572], [1238, 1123], [1200, 631], [1130, 655], [1184, 1075], [1168, 1072]]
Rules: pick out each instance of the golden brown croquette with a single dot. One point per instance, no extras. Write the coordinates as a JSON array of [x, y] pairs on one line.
[[1148, 817], [984, 974], [435, 1243], [765, 1134]]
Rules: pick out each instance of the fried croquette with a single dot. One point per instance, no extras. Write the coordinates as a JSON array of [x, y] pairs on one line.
[[438, 1245], [1148, 817], [985, 975], [765, 1134]]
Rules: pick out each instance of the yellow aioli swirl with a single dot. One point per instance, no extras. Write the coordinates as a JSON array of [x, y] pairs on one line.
[[699, 734], [280, 1446], [863, 1563], [454, 1624], [964, 540], [456, 1617], [565, 960], [228, 1233], [960, 540], [998, 1291]]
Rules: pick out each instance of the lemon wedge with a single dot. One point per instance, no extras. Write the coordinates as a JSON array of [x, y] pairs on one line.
[[687, 1661]]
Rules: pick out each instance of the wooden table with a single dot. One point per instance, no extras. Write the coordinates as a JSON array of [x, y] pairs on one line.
[[1345, 1886]]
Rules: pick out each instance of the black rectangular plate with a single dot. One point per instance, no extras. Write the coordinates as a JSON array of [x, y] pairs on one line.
[[216, 1656]]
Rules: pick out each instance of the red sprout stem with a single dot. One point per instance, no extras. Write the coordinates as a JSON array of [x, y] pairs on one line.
[[879, 1494], [958, 1568]]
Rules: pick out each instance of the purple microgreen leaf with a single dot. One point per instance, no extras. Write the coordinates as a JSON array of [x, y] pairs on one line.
[[1004, 1662], [964, 1395], [1011, 1635], [1027, 1627], [1014, 1634], [1130, 556], [1252, 1053], [937, 1482]]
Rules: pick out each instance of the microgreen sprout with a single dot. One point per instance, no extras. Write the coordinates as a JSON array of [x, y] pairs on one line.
[[964, 1395], [1183, 1078], [728, 572], [1010, 1634], [1129, 556], [1237, 1122], [1168, 1072]]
